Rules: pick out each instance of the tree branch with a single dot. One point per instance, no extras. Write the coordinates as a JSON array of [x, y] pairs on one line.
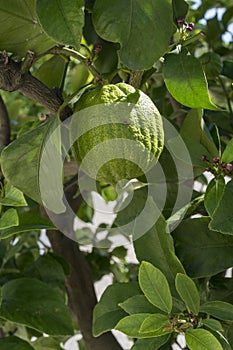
[[4, 124]]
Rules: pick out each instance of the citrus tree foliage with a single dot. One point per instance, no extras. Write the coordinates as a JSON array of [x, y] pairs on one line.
[[152, 81]]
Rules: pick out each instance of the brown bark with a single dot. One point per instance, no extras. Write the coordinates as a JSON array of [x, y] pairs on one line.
[[4, 124]]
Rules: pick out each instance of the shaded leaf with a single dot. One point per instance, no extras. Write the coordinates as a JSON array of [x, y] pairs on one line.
[[20, 30], [107, 312], [47, 343], [62, 20], [188, 293], [212, 324], [185, 80], [155, 286], [213, 195], [51, 72], [130, 325], [33, 303], [222, 220], [138, 49], [200, 339], [8, 219], [194, 242], [227, 155], [180, 9], [14, 343], [150, 344], [218, 309]]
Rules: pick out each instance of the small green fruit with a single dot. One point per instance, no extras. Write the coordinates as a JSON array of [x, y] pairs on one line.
[[118, 133]]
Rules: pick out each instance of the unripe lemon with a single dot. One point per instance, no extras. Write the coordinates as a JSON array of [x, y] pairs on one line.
[[117, 133]]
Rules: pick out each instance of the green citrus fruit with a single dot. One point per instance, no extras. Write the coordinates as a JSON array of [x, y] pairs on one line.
[[118, 133]]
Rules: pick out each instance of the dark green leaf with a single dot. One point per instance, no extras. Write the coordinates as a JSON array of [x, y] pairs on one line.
[[222, 220], [227, 155], [138, 49], [62, 20], [214, 193], [8, 219], [47, 343], [150, 344], [186, 81], [14, 343], [155, 286], [13, 197], [21, 31], [201, 250], [155, 324], [130, 325], [156, 246], [200, 339], [33, 303], [212, 324], [218, 309], [212, 64], [188, 293], [107, 312], [52, 71], [180, 9], [138, 304]]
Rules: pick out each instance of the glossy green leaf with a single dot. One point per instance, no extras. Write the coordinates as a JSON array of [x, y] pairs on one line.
[[212, 324], [188, 293], [156, 246], [222, 220], [130, 325], [185, 80], [138, 304], [227, 155], [107, 313], [13, 197], [138, 49], [14, 343], [33, 303], [8, 219], [150, 344], [21, 31], [155, 324], [52, 71], [62, 20], [194, 242], [28, 221], [155, 286], [200, 339], [218, 309], [213, 195]]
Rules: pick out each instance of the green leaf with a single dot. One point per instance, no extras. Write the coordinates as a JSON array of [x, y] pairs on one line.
[[14, 343], [21, 31], [51, 72], [28, 221], [62, 20], [25, 163], [155, 286], [155, 324], [213, 195], [222, 220], [34, 304], [218, 309], [138, 304], [180, 9], [13, 197], [150, 344], [107, 312], [227, 155], [8, 219], [185, 80], [200, 339], [188, 293], [48, 343], [156, 246], [130, 325], [201, 250], [212, 324], [138, 49]]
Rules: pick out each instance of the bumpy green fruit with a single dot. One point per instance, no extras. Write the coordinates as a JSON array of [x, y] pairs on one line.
[[118, 133]]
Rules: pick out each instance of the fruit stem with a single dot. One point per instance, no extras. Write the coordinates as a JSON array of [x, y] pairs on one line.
[[136, 78]]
